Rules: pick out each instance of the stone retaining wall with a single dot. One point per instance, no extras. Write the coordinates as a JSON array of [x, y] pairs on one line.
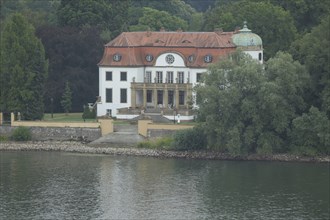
[[75, 146], [57, 133]]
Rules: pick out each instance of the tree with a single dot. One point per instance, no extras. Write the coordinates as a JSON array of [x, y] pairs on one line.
[[67, 99], [23, 69], [228, 106], [312, 50], [311, 133], [155, 20], [272, 23], [247, 108], [72, 59], [107, 15]]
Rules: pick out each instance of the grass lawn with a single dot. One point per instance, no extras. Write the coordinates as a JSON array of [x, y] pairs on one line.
[[71, 117]]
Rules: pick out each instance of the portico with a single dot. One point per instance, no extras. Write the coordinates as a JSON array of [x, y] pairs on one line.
[[160, 95]]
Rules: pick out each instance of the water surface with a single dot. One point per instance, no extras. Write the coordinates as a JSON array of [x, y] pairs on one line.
[[56, 185]]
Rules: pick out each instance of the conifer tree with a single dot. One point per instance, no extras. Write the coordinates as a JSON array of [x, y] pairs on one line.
[[23, 69], [67, 99]]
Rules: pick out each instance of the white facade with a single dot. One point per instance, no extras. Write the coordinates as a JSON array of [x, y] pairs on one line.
[[180, 74], [156, 71]]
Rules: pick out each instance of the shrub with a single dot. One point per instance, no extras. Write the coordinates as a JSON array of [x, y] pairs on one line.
[[190, 139], [88, 114], [3, 138], [21, 134], [158, 143]]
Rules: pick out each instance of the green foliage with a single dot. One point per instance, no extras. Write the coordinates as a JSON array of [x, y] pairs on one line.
[[190, 139], [158, 143], [246, 108], [274, 24], [3, 138], [66, 98], [311, 133], [107, 15], [312, 50], [155, 20], [88, 114], [23, 69], [21, 134], [73, 60]]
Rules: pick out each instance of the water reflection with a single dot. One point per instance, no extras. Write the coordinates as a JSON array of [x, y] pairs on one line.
[[43, 185]]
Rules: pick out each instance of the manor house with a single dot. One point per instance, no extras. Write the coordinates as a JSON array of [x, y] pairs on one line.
[[155, 72]]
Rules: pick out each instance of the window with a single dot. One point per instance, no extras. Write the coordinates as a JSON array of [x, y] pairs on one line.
[[148, 77], [159, 78], [169, 77], [169, 59], [181, 97], [108, 76], [198, 77], [208, 59], [260, 56], [109, 112], [108, 95], [123, 95], [181, 77], [123, 76], [149, 96]]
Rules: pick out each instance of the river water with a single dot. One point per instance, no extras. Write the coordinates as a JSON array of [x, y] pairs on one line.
[[57, 185]]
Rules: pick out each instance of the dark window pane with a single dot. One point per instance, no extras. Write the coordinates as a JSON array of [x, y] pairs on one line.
[[123, 95], [108, 76], [123, 76], [108, 95]]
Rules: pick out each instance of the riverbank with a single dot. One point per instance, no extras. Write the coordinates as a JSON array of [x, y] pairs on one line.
[[77, 147]]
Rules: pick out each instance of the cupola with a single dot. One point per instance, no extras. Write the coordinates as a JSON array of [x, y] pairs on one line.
[[245, 38]]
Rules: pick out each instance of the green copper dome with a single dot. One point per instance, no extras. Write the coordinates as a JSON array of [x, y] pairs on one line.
[[245, 38]]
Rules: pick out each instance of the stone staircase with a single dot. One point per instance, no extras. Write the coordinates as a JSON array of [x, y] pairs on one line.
[[125, 135]]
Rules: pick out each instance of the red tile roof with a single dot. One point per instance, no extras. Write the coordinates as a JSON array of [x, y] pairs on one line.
[[134, 46]]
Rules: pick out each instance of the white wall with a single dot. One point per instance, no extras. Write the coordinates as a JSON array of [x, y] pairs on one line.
[[178, 60], [116, 85], [255, 54]]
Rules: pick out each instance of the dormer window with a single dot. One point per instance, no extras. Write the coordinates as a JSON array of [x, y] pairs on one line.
[[159, 41], [117, 57], [186, 42], [149, 57], [208, 59]]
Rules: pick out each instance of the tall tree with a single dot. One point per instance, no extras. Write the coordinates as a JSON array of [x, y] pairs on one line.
[[72, 59], [23, 69], [312, 50], [66, 101]]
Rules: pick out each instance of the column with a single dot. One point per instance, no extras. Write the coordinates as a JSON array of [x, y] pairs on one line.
[[144, 96], [133, 97], [154, 97], [176, 97], [188, 96], [166, 97]]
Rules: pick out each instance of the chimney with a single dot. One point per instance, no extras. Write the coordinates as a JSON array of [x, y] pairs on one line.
[[148, 32], [236, 30], [218, 31]]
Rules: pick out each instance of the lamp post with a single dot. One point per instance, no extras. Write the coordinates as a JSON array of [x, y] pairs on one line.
[[51, 106]]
